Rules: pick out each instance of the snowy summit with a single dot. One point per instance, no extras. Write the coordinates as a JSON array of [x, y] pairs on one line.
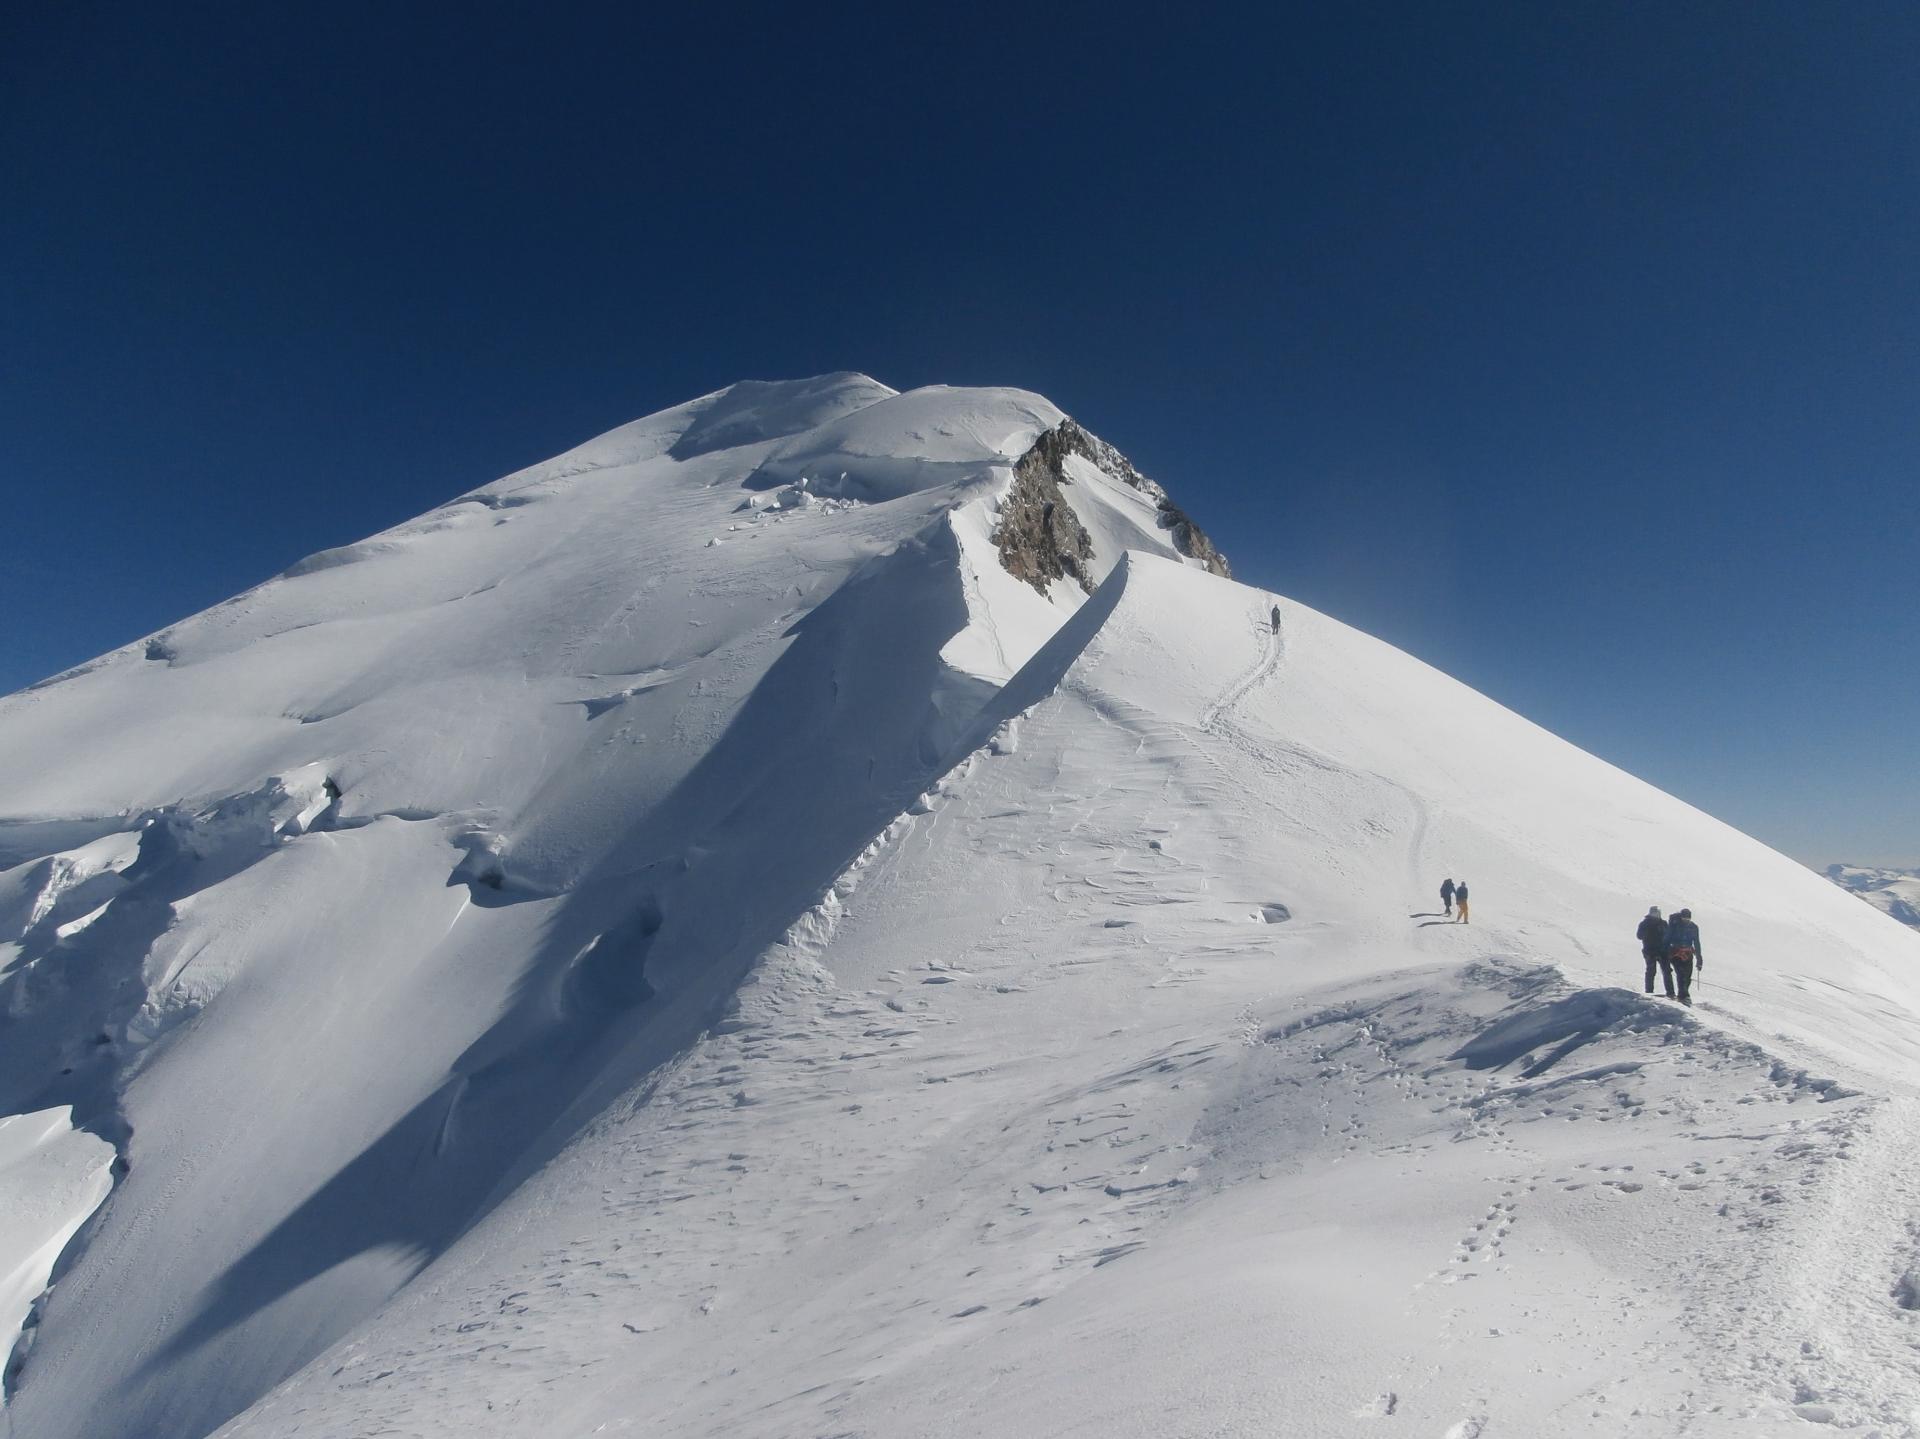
[[828, 911]]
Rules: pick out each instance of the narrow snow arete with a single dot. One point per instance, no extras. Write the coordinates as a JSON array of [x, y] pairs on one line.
[[825, 911]]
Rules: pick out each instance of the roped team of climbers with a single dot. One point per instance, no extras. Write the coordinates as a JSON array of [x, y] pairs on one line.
[[1672, 946]]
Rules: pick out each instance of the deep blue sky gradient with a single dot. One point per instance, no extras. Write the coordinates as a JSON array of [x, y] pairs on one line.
[[1575, 349]]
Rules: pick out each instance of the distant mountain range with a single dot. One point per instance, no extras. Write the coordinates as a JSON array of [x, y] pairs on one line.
[[1897, 891]]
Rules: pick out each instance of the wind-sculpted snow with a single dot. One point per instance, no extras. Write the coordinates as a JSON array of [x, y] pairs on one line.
[[656, 946], [336, 909], [909, 442], [52, 1178], [756, 410], [1039, 1123]]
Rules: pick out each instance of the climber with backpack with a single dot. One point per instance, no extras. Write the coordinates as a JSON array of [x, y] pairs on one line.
[[1446, 895], [1684, 953], [1652, 935]]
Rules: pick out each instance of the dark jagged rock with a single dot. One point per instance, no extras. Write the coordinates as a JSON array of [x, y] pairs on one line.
[[1191, 540], [1041, 539]]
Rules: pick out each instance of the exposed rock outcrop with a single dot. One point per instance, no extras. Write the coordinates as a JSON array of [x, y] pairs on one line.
[[1191, 540], [1041, 539]]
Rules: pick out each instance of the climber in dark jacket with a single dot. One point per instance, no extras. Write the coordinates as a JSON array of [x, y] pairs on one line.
[[1652, 935], [1460, 901], [1446, 894], [1683, 952]]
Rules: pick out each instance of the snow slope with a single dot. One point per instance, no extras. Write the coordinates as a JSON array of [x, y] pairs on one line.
[[1894, 892], [768, 972], [1132, 1086], [52, 1178], [324, 906]]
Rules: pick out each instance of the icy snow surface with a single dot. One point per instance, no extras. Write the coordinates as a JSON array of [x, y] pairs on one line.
[[51, 1179], [677, 941]]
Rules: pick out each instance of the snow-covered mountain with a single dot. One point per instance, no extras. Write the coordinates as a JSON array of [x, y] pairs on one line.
[[825, 911], [1895, 892]]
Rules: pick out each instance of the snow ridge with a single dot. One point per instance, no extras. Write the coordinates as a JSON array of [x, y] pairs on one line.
[[684, 939], [342, 733]]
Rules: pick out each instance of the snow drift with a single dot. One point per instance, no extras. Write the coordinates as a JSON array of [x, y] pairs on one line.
[[760, 926]]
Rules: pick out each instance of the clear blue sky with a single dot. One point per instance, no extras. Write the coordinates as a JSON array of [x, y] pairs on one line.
[[1574, 348]]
